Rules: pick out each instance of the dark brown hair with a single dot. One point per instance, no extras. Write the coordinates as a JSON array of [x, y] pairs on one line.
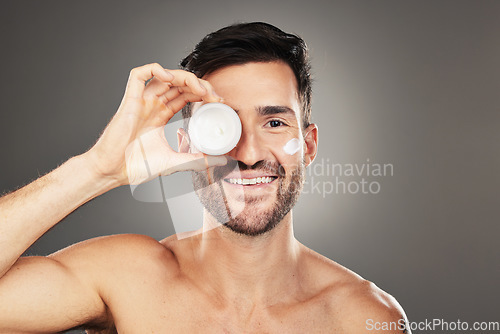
[[243, 43]]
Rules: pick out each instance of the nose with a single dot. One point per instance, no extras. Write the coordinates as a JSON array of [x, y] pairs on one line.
[[250, 149]]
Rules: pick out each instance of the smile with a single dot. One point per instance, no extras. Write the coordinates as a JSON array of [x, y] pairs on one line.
[[255, 180]]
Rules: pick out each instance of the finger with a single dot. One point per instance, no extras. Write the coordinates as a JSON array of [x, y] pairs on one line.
[[139, 76], [156, 88], [174, 92], [211, 96], [188, 79], [174, 106], [179, 102]]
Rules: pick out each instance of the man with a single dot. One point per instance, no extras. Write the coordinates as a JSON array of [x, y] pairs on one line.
[[248, 274]]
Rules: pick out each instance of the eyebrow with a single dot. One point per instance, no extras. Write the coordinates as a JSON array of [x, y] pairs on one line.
[[273, 110]]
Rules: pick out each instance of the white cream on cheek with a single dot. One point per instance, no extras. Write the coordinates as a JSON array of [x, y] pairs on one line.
[[292, 146]]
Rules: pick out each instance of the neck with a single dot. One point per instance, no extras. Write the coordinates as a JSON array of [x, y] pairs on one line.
[[258, 269]]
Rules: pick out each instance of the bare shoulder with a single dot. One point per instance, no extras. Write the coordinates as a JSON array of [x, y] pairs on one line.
[[80, 283], [353, 303], [116, 255], [108, 247], [369, 309]]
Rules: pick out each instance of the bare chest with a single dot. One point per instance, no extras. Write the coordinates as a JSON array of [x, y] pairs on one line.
[[181, 308]]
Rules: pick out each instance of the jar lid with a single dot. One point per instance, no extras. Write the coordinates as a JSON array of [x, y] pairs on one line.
[[215, 128]]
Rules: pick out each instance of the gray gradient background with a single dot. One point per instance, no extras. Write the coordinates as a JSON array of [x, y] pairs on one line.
[[412, 83]]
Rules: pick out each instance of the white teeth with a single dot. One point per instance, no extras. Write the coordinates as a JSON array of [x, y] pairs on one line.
[[257, 180]]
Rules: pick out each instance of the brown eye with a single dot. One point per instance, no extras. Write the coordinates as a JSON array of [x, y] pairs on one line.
[[275, 123]]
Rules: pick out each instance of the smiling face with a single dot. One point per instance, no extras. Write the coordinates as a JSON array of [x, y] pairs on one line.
[[270, 176]]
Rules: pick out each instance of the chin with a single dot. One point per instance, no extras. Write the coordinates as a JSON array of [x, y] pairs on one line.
[[250, 228]]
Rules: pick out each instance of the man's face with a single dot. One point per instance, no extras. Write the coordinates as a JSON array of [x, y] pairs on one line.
[[270, 177]]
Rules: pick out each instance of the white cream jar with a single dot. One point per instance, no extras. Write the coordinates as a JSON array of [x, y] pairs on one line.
[[214, 128]]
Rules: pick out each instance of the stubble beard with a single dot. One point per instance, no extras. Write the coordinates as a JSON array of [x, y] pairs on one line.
[[250, 221]]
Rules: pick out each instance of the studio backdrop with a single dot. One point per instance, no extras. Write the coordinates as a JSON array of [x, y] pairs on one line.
[[405, 188]]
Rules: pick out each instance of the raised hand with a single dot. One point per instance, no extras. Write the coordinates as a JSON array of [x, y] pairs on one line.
[[133, 148]]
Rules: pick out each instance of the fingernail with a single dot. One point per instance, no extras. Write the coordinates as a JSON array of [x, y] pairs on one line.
[[169, 75], [217, 96], [202, 87]]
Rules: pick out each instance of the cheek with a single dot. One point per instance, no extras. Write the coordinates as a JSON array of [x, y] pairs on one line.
[[289, 154], [292, 146]]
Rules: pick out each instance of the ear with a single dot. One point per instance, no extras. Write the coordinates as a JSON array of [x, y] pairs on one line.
[[311, 141], [183, 141]]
